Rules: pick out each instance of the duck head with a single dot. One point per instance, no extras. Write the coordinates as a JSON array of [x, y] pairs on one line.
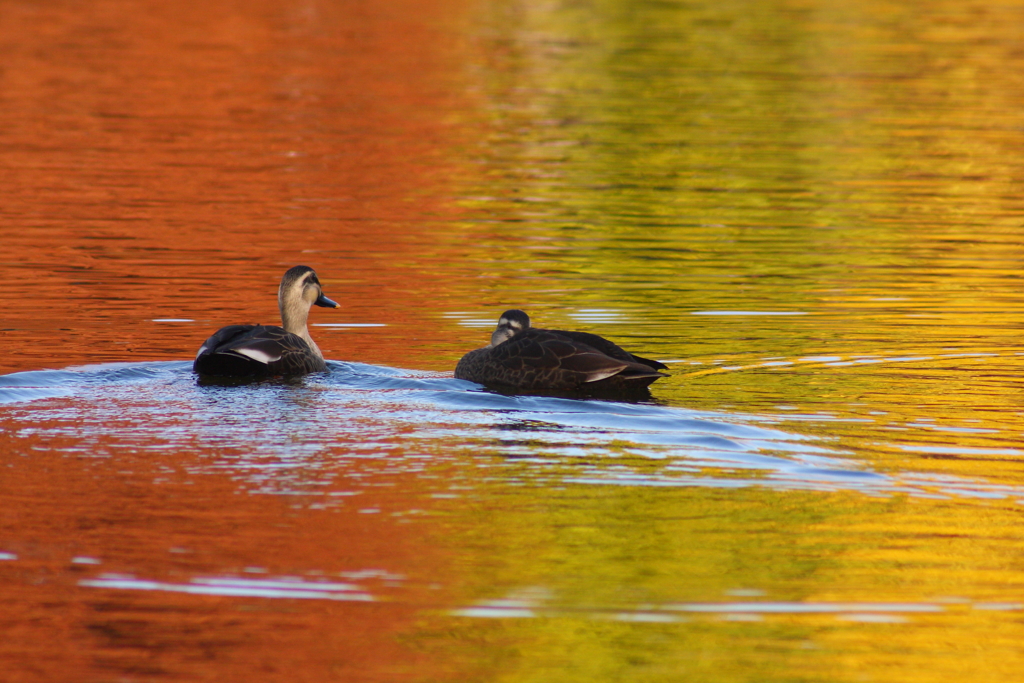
[[300, 289], [511, 323]]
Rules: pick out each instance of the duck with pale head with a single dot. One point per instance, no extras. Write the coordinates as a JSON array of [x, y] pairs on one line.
[[269, 350]]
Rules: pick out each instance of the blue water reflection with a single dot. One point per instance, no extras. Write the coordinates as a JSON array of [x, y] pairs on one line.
[[292, 437]]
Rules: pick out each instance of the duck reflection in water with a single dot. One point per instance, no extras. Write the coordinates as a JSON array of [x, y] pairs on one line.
[[254, 351], [521, 357]]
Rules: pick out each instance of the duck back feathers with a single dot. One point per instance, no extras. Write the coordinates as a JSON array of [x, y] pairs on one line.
[[529, 358], [256, 351]]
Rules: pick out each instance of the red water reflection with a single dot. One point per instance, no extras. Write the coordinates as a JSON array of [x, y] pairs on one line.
[[169, 162], [132, 516], [166, 162]]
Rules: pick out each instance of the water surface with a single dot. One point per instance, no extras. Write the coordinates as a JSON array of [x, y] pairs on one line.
[[811, 212]]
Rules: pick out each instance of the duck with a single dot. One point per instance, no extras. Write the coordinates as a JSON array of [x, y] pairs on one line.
[[269, 350], [529, 358]]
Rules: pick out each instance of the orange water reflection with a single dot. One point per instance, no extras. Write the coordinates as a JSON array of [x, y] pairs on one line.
[[134, 517], [638, 174], [167, 163]]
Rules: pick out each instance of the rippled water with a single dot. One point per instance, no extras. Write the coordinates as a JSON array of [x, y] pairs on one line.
[[810, 211]]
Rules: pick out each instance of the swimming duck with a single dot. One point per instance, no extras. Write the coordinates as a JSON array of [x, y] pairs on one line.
[[268, 350], [524, 357]]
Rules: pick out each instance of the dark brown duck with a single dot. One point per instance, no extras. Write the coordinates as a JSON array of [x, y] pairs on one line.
[[268, 350], [524, 357]]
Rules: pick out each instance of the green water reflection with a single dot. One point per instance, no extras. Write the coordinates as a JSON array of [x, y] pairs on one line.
[[853, 162], [812, 211], [751, 585], [652, 166]]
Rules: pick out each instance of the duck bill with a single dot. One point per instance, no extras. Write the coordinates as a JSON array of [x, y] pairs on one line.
[[325, 302]]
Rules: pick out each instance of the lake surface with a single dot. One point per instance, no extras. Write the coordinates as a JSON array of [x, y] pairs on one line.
[[812, 212]]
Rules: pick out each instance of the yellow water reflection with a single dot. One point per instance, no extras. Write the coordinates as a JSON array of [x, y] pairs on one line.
[[811, 210]]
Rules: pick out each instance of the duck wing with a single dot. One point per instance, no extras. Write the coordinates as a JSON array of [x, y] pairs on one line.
[[224, 337], [609, 349], [546, 359], [256, 351]]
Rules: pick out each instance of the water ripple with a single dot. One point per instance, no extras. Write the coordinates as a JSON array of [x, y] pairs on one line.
[[275, 434], [295, 589]]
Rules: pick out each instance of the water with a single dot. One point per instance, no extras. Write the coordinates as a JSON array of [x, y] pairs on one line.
[[811, 212], [432, 513], [154, 516]]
